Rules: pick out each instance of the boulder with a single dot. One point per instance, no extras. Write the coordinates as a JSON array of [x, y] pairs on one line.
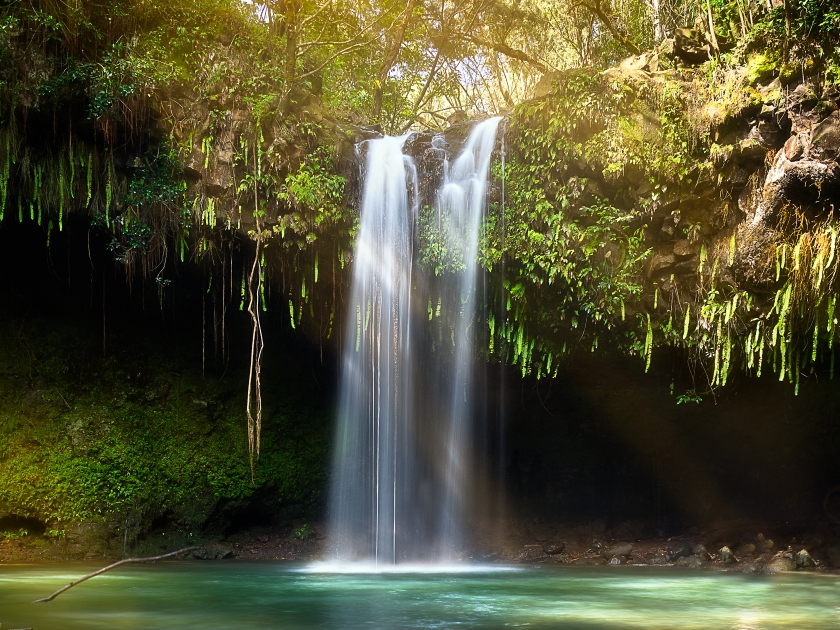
[[87, 538], [782, 563], [590, 561], [217, 179], [213, 553], [635, 67], [793, 148], [203, 553], [696, 562], [747, 549], [726, 555], [656, 559], [753, 148], [679, 549], [553, 549], [457, 117], [803, 559], [750, 568], [701, 552], [617, 549]]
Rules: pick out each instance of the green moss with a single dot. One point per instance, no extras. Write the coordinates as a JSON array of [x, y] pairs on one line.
[[761, 66], [132, 438]]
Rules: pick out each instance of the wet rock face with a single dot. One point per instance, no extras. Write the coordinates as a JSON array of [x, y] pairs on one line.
[[690, 46], [774, 162], [754, 265], [825, 138], [807, 183], [87, 539], [803, 172]]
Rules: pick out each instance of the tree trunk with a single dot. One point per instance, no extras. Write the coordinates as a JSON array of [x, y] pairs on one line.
[[657, 21], [390, 57], [712, 36]]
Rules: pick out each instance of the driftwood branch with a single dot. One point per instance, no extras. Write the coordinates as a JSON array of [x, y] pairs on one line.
[[108, 568]]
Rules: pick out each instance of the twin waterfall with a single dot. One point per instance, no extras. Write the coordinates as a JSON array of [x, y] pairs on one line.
[[407, 464]]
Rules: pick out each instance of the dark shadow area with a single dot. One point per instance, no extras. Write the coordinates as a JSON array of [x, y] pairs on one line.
[[111, 374], [606, 441], [15, 524]]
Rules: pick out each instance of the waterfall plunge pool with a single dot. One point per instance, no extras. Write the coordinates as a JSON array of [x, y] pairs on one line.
[[274, 595]]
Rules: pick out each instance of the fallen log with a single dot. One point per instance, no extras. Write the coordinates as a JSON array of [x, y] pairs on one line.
[[108, 568]]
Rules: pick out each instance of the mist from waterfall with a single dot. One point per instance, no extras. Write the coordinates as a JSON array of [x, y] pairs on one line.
[[405, 461]]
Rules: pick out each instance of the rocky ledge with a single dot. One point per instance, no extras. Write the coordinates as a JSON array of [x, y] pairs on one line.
[[738, 545]]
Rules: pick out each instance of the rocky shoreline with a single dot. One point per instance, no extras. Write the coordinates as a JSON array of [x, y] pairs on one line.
[[736, 546]]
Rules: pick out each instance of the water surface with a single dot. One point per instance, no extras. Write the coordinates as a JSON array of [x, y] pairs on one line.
[[225, 595]]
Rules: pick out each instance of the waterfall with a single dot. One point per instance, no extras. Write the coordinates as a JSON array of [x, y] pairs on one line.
[[376, 386], [461, 199], [404, 461]]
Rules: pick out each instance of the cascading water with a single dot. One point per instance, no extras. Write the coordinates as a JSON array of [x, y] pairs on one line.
[[403, 460], [461, 200], [368, 494]]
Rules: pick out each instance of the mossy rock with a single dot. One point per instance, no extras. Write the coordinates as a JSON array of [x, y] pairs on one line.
[[789, 73], [760, 67]]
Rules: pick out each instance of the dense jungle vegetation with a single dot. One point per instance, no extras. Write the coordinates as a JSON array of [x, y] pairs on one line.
[[209, 144]]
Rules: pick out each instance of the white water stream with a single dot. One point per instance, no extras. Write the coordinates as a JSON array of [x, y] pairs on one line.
[[404, 461]]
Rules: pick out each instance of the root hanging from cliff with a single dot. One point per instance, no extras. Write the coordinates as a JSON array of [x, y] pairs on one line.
[[253, 407], [254, 403]]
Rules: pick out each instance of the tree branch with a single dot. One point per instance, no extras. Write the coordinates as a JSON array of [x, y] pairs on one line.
[[307, 45], [605, 19], [506, 50], [309, 18], [338, 54], [390, 57], [108, 568]]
